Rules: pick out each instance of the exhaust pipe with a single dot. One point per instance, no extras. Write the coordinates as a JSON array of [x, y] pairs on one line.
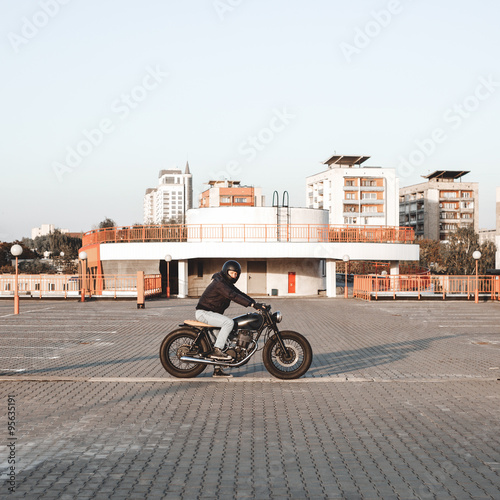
[[206, 361]]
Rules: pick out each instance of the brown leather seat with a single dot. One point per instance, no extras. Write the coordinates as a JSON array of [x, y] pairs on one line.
[[199, 324]]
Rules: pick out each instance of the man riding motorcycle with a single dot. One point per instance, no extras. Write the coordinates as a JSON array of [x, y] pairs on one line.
[[215, 300]]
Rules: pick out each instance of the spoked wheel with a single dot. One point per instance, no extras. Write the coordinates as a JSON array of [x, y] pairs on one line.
[[176, 344], [289, 364]]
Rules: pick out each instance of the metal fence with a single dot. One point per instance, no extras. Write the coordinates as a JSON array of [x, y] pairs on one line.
[[250, 232], [68, 286], [369, 286]]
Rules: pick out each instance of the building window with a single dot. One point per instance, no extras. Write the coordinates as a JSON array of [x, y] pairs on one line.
[[225, 199], [349, 182], [369, 196], [240, 200], [370, 183], [369, 208], [350, 196], [200, 269]]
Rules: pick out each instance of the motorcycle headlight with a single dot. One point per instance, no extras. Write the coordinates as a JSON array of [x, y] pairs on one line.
[[277, 316]]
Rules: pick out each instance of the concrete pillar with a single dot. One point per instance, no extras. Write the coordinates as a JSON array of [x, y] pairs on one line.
[[183, 279], [331, 278], [394, 271], [394, 267]]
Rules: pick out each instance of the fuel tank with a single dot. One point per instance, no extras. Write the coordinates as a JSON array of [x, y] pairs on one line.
[[250, 321]]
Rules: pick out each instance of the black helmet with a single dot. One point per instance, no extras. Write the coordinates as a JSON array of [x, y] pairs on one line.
[[231, 265]]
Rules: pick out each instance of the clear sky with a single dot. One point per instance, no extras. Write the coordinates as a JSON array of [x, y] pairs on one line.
[[97, 96]]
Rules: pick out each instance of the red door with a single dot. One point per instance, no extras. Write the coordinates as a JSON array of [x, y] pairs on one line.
[[291, 282]]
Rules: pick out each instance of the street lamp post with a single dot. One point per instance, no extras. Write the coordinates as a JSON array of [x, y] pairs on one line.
[[168, 259], [16, 251], [477, 256], [83, 268], [346, 259]]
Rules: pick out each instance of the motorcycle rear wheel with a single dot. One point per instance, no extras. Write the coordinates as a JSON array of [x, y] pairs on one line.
[[176, 344], [291, 364]]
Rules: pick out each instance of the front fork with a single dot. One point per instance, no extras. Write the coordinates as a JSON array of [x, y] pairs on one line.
[[280, 339]]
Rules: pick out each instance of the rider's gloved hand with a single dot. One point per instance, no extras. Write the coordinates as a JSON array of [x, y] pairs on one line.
[[259, 306]]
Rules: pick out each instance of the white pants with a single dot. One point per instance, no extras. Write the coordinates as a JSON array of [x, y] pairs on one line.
[[223, 322]]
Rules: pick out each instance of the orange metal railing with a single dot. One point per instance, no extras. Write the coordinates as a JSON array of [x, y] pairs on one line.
[[41, 285], [250, 232], [66, 286], [152, 285], [370, 286]]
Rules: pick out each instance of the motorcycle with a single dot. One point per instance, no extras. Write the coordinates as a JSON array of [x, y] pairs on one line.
[[286, 354]]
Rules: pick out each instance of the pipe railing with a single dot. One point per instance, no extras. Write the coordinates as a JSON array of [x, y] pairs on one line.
[[443, 286], [67, 286], [323, 233]]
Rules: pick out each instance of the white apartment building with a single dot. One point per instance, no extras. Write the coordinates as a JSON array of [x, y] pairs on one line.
[[354, 193], [44, 230], [436, 208], [171, 198]]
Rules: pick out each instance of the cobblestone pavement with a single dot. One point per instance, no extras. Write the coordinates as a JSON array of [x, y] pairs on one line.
[[401, 402]]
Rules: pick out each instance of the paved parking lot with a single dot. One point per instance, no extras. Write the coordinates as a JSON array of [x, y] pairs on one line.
[[401, 401]]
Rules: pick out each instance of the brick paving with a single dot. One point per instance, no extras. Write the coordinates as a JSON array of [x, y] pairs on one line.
[[401, 402]]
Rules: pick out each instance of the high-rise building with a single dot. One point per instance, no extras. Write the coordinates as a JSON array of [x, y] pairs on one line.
[[170, 199], [436, 208], [230, 194], [354, 193]]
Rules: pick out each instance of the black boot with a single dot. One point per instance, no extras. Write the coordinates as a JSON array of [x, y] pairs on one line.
[[218, 372], [218, 354]]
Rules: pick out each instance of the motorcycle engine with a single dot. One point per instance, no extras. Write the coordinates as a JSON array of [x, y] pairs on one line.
[[244, 338], [239, 344]]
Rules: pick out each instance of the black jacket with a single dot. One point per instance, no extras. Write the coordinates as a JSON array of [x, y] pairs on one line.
[[219, 294]]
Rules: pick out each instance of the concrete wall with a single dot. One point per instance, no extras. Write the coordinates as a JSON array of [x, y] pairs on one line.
[[308, 276], [130, 266], [253, 215], [258, 251]]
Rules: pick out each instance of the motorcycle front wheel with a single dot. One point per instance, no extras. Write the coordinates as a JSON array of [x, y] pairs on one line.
[[294, 362], [176, 344]]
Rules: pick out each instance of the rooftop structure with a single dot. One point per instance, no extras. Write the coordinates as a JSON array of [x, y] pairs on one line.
[[342, 160]]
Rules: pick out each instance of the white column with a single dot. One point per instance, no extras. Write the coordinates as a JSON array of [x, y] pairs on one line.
[[331, 278], [394, 267], [183, 279], [394, 271]]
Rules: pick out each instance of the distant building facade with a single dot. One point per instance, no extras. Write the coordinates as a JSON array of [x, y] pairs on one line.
[[497, 265], [354, 193], [436, 208], [46, 229], [171, 198], [230, 194]]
